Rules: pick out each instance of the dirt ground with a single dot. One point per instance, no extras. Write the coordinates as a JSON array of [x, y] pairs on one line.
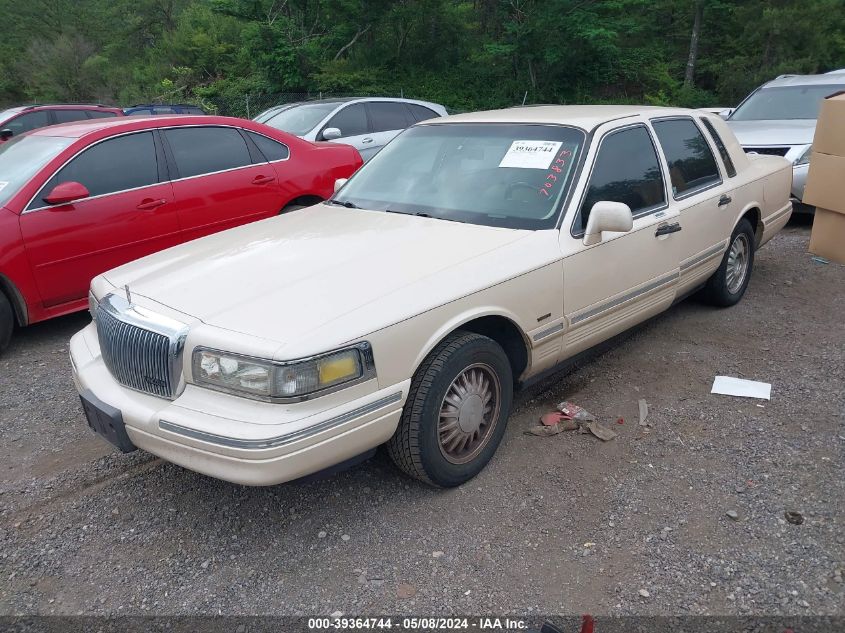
[[555, 525]]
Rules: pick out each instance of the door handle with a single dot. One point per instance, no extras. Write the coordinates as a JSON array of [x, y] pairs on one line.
[[666, 229], [724, 200], [148, 204], [367, 140], [262, 180]]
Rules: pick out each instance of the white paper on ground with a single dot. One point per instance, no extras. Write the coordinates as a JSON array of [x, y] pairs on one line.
[[530, 154], [729, 386]]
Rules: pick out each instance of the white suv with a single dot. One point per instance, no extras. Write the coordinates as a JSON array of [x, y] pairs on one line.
[[779, 118]]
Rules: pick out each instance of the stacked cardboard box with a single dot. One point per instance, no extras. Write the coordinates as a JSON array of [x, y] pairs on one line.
[[826, 181]]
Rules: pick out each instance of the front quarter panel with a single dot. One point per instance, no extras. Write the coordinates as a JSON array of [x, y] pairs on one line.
[[15, 274]]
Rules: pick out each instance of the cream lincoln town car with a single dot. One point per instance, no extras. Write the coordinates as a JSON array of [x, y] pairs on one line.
[[470, 255]]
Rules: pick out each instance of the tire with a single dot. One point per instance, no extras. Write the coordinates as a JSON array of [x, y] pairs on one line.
[[292, 207], [722, 288], [471, 434], [7, 322]]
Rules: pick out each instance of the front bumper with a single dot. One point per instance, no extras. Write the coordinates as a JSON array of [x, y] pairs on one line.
[[799, 181], [237, 439]]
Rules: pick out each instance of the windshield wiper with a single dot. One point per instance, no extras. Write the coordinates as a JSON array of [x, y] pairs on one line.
[[422, 214], [340, 203]]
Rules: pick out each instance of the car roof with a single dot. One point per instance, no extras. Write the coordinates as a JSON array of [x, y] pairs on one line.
[[835, 78], [339, 100], [586, 117], [78, 129]]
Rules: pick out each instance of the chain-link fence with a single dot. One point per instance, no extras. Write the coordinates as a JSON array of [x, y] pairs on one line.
[[248, 106]]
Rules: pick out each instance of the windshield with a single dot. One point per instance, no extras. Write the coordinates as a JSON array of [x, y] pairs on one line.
[[300, 119], [492, 174], [266, 114], [789, 102], [22, 157]]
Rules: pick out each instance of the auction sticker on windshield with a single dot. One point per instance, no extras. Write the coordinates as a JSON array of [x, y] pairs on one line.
[[530, 154]]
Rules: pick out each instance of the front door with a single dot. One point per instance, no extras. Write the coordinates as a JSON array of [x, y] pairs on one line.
[[388, 119], [626, 277], [355, 130], [219, 182], [129, 214]]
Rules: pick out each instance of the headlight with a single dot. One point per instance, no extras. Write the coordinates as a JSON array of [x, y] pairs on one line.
[[93, 304], [804, 159], [294, 380]]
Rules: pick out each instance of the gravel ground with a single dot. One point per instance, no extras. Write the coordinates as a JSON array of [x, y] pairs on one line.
[[564, 524]]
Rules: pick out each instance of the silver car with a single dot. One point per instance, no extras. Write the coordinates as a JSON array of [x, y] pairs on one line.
[[367, 124], [779, 118]]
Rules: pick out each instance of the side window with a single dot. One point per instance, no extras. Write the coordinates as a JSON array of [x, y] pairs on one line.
[[66, 116], [723, 151], [163, 110], [389, 116], [203, 150], [121, 163], [421, 113], [691, 163], [99, 114], [351, 121], [192, 110], [626, 170], [28, 121], [272, 150]]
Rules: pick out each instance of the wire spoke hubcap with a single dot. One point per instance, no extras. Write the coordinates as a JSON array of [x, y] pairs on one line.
[[469, 413], [737, 267]]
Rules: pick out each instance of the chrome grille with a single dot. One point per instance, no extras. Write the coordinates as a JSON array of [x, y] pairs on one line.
[[770, 151], [138, 358]]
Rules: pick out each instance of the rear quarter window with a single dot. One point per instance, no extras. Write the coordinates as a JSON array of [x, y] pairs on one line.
[[270, 149]]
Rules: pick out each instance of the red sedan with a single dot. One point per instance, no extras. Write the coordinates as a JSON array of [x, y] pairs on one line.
[[81, 198]]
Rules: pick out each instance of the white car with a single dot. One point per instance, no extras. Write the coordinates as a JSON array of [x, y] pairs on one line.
[[474, 253], [366, 123]]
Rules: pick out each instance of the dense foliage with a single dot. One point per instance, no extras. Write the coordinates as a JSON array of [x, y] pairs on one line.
[[466, 54]]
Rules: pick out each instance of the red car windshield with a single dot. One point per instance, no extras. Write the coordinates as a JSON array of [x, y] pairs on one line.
[[22, 158]]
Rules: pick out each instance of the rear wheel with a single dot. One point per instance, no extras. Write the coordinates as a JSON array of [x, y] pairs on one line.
[[7, 322], [728, 283], [456, 412]]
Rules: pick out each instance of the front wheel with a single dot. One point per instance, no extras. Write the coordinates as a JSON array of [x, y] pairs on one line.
[[456, 412], [728, 283]]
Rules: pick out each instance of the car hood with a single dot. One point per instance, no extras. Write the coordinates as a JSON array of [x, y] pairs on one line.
[[282, 278], [760, 133]]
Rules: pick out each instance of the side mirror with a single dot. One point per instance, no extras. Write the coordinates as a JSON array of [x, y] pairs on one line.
[[339, 183], [6, 134], [607, 216], [726, 113], [66, 192], [331, 133]]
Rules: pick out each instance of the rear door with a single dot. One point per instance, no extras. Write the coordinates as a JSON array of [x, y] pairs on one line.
[[704, 198], [129, 214], [627, 277], [219, 181], [354, 125], [388, 119]]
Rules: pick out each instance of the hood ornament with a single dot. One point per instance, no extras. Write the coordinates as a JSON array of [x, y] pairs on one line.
[[128, 294]]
